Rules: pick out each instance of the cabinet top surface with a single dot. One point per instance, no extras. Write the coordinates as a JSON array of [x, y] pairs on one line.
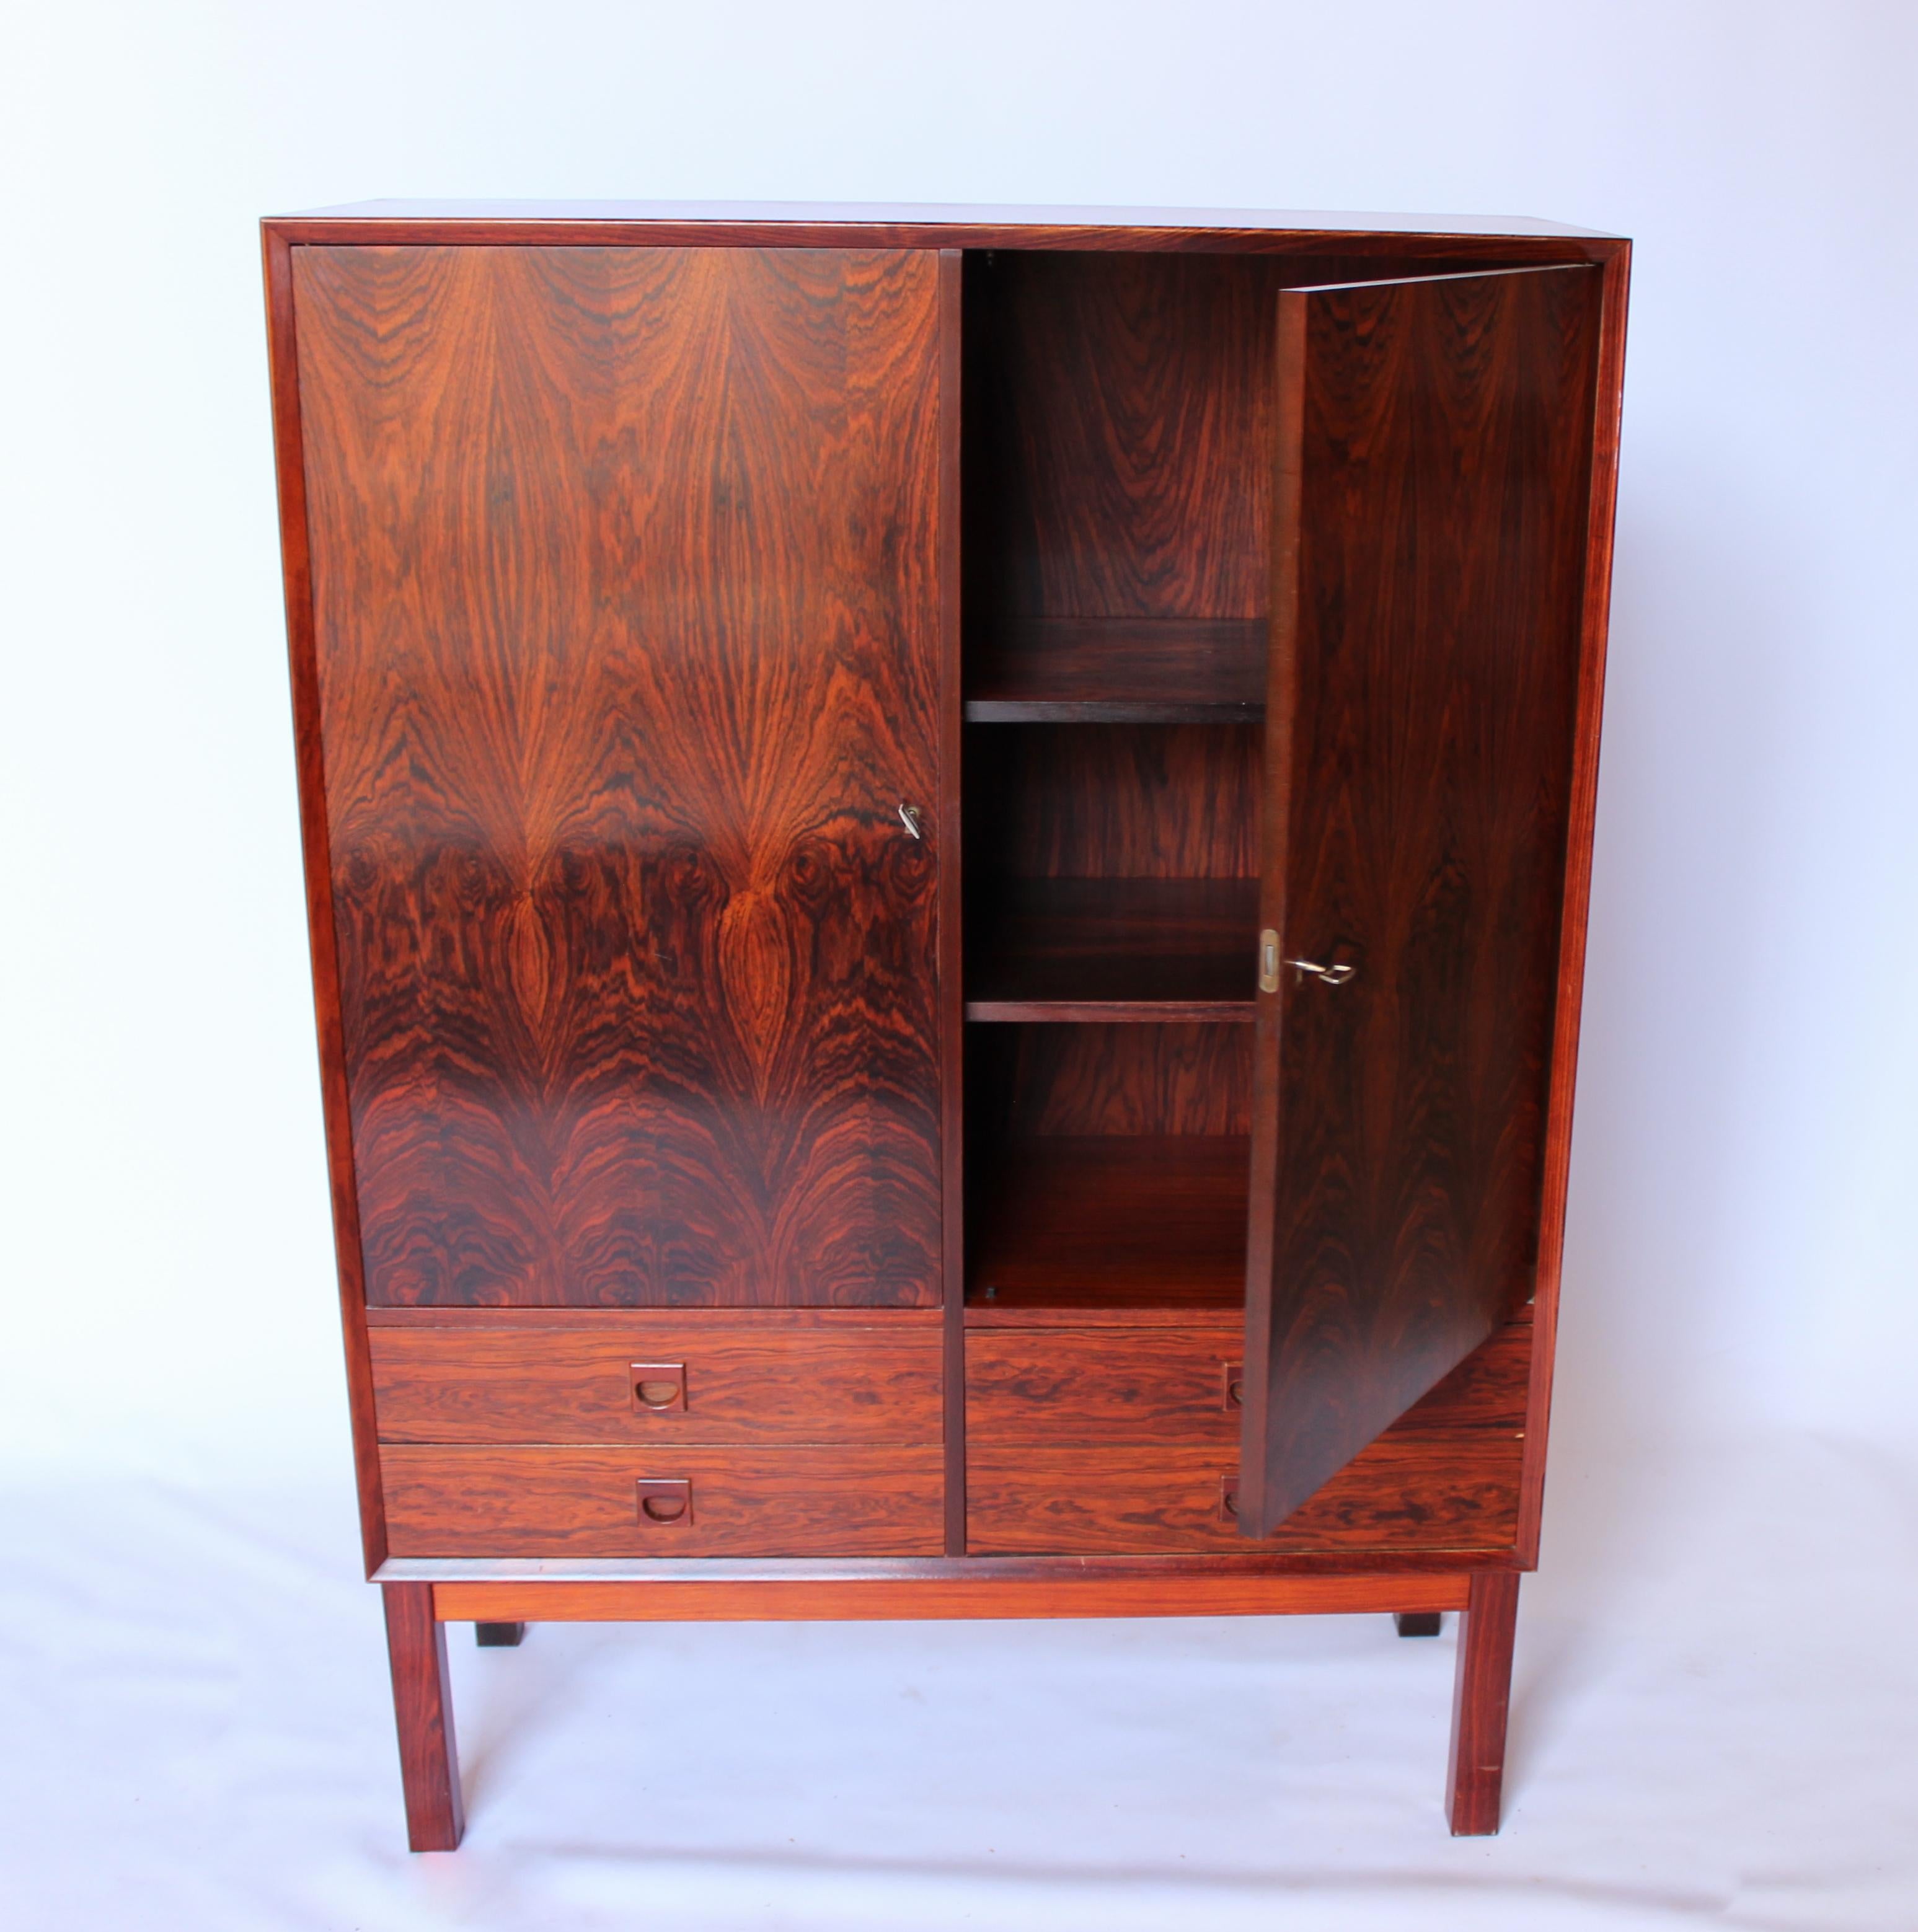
[[1001, 223]]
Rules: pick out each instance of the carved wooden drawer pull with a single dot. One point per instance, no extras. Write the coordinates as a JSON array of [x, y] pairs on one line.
[[658, 1386], [665, 1500]]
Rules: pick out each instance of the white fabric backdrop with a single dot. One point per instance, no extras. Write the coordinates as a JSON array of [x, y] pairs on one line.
[[1716, 1712]]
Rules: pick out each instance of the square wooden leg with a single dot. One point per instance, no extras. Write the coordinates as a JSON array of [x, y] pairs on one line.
[[423, 1709], [1481, 1693]]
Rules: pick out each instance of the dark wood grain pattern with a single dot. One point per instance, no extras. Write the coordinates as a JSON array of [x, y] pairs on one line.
[[1116, 1219], [848, 1499], [1082, 1387], [290, 466], [1116, 949], [1116, 1385], [952, 943], [1452, 1491], [552, 1385], [626, 594], [1482, 1696], [423, 1710], [1184, 1592], [1600, 515], [1120, 802], [1164, 1080], [1119, 429], [743, 1320], [1431, 525], [1118, 671]]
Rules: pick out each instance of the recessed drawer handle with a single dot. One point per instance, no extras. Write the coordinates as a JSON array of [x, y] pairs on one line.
[[1228, 1499], [1233, 1382], [657, 1385], [665, 1500]]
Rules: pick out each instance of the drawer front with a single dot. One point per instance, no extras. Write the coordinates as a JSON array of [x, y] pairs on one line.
[[489, 1502], [1455, 1492], [1063, 1385], [669, 1381]]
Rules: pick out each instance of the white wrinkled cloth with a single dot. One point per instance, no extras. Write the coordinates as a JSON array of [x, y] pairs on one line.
[[1715, 1723]]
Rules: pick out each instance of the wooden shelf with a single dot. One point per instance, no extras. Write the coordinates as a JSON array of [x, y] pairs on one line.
[[1117, 1222], [1116, 670], [1146, 950]]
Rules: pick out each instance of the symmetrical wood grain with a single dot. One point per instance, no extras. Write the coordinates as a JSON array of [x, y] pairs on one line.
[[849, 1500], [508, 1385], [1431, 552], [1482, 1696], [423, 1711], [625, 595]]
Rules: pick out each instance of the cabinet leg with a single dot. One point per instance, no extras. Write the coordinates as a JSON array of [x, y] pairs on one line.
[[1481, 1694], [499, 1637], [1416, 1623], [423, 1709]]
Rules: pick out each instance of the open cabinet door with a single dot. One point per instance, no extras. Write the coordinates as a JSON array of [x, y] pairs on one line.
[[1433, 471]]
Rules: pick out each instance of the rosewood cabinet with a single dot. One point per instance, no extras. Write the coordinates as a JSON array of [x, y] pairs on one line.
[[948, 857]]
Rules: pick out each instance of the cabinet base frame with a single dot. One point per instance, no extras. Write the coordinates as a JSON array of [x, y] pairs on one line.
[[418, 1611]]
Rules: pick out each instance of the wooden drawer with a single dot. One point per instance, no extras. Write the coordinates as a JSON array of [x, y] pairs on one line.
[[1065, 1385], [493, 1502], [1455, 1492], [667, 1379]]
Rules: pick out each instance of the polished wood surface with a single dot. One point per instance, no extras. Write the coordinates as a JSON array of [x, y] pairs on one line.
[[1116, 1384], [1481, 1695], [1430, 550], [1082, 1594], [659, 1321], [423, 1710], [637, 960], [1116, 670], [1119, 949], [1454, 1491], [1600, 515], [1167, 1079], [1114, 1218], [1112, 1384], [1119, 801], [781, 1500], [519, 1385], [952, 941], [1118, 436], [290, 464]]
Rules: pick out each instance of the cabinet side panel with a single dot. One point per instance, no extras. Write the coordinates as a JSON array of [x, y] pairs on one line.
[[1600, 517], [296, 566], [625, 608]]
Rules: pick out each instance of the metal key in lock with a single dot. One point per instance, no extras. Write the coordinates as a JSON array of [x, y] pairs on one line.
[[1269, 962]]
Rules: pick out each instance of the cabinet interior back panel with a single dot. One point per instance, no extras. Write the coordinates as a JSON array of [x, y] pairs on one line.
[[625, 596]]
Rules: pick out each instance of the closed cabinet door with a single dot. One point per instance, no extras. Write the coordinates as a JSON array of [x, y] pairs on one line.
[[1431, 513], [624, 567]]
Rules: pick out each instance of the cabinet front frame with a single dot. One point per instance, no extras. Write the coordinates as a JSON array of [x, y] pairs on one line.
[[458, 1590]]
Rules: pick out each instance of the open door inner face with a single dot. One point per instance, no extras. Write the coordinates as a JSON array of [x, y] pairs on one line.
[[1429, 554]]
